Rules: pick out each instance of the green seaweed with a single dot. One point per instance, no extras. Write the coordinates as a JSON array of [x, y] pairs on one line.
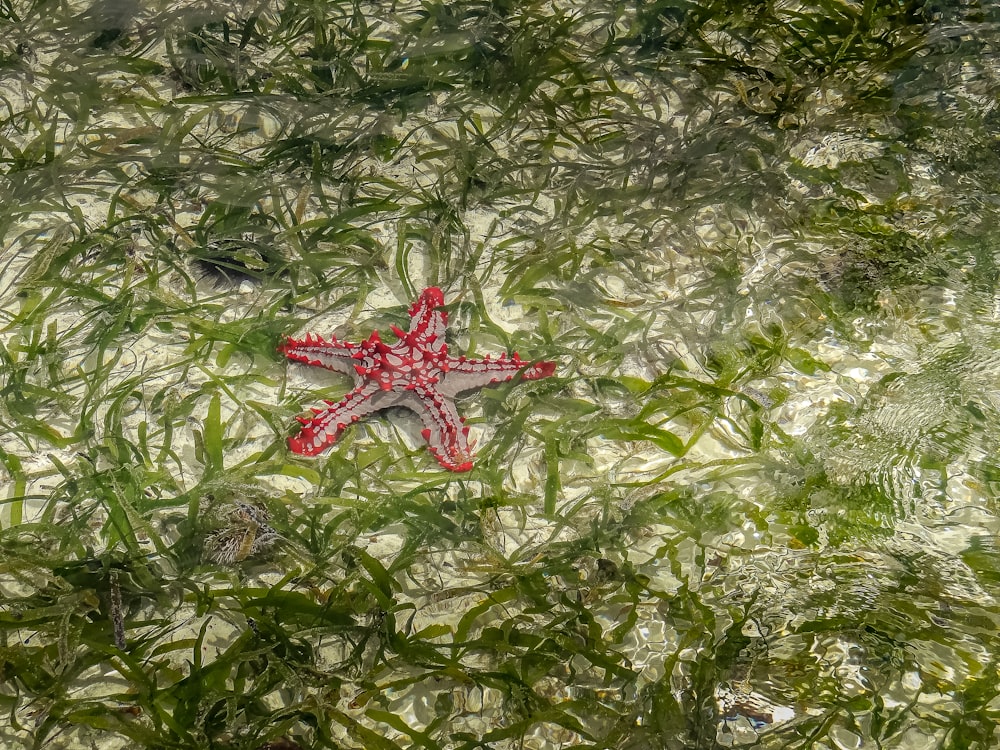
[[758, 241]]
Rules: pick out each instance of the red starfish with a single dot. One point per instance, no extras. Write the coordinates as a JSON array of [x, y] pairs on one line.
[[415, 372]]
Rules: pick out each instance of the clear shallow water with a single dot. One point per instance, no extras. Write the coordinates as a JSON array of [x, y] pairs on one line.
[[756, 507]]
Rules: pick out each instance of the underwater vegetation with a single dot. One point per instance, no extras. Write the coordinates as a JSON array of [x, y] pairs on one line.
[[755, 504]]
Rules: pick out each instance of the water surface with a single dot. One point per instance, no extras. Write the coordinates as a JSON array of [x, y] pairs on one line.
[[755, 507]]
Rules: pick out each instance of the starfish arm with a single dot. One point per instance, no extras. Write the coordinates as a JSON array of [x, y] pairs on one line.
[[467, 374], [427, 322], [314, 350], [322, 430], [444, 432]]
